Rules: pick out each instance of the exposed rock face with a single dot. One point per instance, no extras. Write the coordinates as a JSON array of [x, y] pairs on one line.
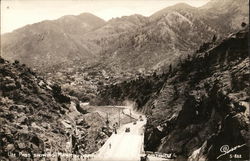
[[138, 90], [210, 102], [37, 117], [200, 105]]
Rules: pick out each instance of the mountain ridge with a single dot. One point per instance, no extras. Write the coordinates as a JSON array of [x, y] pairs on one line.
[[122, 47], [88, 35]]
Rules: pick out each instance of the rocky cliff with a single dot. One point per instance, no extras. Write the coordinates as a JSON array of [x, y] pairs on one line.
[[200, 105], [38, 118], [204, 104]]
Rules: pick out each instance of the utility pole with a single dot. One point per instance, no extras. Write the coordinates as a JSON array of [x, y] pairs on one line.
[[130, 115], [119, 116], [107, 121]]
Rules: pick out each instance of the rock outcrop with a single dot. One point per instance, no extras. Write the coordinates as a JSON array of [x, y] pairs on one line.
[[38, 118], [203, 106], [198, 107]]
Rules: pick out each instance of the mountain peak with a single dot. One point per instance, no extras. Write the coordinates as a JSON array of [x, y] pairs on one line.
[[134, 19], [176, 7], [181, 5], [87, 15]]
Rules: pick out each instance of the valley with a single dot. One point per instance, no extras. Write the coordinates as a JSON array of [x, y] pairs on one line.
[[174, 83]]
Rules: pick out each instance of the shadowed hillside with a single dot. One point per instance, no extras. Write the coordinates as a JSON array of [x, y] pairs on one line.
[[37, 117], [199, 105]]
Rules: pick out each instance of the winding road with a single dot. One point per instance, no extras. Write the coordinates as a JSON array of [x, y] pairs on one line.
[[124, 145]]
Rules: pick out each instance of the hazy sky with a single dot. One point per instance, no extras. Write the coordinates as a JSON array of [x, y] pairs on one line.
[[18, 13]]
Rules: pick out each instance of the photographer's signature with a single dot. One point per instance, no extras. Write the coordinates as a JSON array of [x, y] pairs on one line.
[[225, 150]]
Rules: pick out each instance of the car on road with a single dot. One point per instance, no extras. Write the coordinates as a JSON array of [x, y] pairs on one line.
[[127, 129], [140, 118]]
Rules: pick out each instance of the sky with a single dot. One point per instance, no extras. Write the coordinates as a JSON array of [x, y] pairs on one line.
[[18, 13]]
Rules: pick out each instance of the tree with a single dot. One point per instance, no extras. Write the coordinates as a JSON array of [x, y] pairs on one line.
[[214, 38], [16, 62], [170, 68], [243, 24]]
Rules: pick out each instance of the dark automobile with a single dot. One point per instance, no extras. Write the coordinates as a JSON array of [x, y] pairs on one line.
[[127, 129], [134, 123], [140, 118]]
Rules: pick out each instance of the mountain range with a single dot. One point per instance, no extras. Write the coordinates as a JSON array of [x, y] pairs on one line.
[[185, 68], [126, 42], [75, 46]]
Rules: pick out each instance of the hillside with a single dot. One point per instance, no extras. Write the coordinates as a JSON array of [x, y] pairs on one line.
[[197, 106], [49, 43], [185, 68], [127, 43], [224, 15], [174, 31], [156, 42], [37, 117], [83, 52], [206, 100]]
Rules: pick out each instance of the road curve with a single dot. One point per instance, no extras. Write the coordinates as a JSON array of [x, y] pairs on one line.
[[124, 145]]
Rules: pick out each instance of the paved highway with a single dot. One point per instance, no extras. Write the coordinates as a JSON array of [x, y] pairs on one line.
[[124, 145]]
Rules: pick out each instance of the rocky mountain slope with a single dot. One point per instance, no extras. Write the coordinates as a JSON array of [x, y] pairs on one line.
[[173, 32], [224, 15], [91, 53], [49, 43], [199, 105], [190, 81], [37, 117], [135, 41], [204, 105]]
